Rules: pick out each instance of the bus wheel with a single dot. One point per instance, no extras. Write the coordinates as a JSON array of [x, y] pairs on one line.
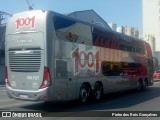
[[84, 94], [145, 84], [98, 91], [139, 85]]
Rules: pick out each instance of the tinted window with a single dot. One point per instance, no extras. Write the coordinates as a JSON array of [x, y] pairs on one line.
[[111, 68], [72, 30]]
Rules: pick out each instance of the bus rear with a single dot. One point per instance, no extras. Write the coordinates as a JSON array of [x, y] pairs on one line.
[[26, 74]]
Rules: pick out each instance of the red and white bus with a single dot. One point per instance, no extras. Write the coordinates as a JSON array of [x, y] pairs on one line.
[[52, 57]]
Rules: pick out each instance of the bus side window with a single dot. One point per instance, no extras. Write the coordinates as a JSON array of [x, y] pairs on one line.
[[61, 68], [111, 68], [106, 68]]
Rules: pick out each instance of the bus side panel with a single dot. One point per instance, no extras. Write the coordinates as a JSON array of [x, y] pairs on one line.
[[96, 55]]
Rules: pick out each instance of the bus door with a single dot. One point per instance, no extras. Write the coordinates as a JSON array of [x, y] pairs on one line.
[[65, 82]]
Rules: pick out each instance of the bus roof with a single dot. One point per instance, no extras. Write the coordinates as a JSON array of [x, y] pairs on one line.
[[39, 12]]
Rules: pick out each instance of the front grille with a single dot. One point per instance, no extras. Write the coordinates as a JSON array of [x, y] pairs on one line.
[[25, 61]]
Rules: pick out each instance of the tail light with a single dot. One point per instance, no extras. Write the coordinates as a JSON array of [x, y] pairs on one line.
[[46, 79], [6, 77]]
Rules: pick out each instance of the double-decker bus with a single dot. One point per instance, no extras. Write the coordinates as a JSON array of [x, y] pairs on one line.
[[52, 57]]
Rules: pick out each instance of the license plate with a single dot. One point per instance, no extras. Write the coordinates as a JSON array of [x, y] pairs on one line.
[[23, 96]]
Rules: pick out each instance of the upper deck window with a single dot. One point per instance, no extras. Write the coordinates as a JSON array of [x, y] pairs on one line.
[[72, 31]]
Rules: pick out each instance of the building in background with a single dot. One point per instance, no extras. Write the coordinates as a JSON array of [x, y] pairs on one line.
[[151, 40], [121, 29], [151, 19], [94, 18], [136, 33], [3, 19], [89, 16], [2, 53], [131, 31], [113, 26], [2, 47], [151, 22]]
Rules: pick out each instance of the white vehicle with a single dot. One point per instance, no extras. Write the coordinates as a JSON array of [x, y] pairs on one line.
[[52, 57]]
